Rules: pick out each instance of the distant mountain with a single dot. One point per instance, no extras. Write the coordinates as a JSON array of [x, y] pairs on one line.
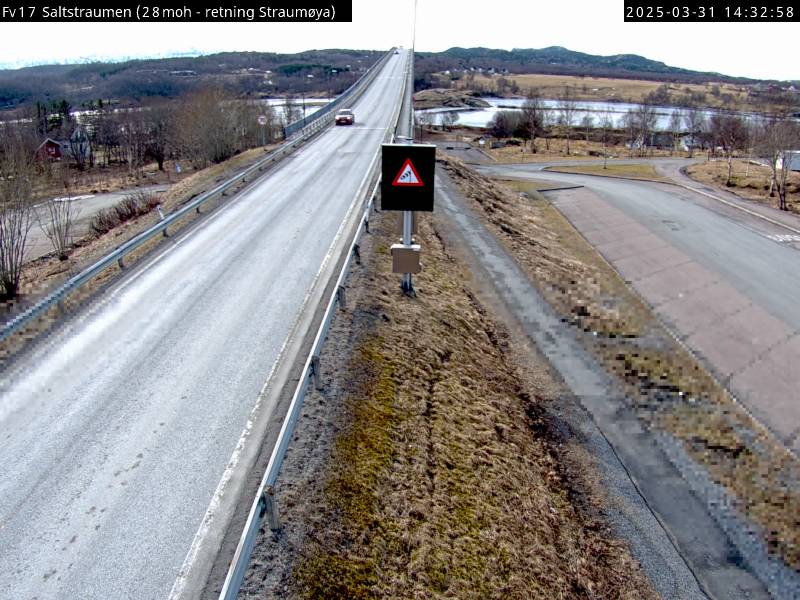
[[561, 61]]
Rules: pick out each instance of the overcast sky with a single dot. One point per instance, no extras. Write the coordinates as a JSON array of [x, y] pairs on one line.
[[759, 50]]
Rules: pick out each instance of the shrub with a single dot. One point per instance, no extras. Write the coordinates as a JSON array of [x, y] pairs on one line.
[[132, 206]]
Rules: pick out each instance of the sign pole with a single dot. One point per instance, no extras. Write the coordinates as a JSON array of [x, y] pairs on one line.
[[408, 216]]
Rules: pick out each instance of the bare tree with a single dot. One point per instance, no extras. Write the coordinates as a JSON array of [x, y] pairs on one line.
[[695, 122], [157, 131], [631, 130], [776, 138], [206, 130], [587, 123], [57, 220], [292, 111], [133, 139], [729, 132], [274, 131], [504, 123], [547, 121], [533, 117], [606, 126], [80, 148], [567, 110], [107, 136], [645, 118], [449, 119], [16, 215], [676, 120]]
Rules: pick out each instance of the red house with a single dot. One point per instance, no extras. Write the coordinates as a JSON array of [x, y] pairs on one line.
[[49, 150]]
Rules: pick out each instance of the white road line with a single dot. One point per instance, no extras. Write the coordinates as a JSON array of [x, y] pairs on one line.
[[784, 238]]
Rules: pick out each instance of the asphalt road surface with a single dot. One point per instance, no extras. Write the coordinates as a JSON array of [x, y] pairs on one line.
[[116, 434], [725, 280]]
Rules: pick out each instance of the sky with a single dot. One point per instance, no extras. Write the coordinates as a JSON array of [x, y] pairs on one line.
[[757, 50]]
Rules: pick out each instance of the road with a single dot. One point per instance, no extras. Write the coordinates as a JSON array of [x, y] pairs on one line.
[[725, 280], [117, 433]]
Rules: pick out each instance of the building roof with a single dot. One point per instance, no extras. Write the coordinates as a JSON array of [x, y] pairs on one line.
[[51, 140]]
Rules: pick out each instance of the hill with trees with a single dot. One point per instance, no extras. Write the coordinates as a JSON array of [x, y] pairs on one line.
[[556, 60], [243, 74]]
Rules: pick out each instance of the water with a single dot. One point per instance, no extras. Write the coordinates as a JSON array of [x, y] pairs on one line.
[[481, 117], [312, 105]]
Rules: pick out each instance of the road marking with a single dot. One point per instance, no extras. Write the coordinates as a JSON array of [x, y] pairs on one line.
[[784, 238], [742, 208], [70, 198]]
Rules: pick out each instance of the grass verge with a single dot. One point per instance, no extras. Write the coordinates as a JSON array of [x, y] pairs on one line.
[[749, 181], [446, 478], [631, 171]]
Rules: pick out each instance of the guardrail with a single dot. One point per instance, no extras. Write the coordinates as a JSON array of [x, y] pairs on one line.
[[264, 502], [351, 93], [57, 297]]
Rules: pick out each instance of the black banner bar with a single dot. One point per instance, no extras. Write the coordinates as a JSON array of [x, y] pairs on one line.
[[714, 11], [169, 11]]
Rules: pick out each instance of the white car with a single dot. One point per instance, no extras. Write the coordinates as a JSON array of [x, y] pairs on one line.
[[345, 117]]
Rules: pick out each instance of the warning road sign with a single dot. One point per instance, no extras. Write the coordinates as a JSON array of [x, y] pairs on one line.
[[407, 177]]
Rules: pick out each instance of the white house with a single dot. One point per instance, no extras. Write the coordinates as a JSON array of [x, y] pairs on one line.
[[792, 157]]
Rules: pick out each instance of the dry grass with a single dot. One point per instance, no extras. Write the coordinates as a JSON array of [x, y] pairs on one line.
[[668, 387], [631, 171], [445, 481], [524, 186], [101, 179], [555, 149], [750, 181]]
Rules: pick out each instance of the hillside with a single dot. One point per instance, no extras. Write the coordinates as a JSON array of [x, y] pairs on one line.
[[255, 74], [561, 61]]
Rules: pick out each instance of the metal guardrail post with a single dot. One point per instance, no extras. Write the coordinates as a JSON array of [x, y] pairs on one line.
[[316, 372], [271, 509]]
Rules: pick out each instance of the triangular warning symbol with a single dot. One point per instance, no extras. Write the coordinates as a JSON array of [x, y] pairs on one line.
[[408, 176]]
